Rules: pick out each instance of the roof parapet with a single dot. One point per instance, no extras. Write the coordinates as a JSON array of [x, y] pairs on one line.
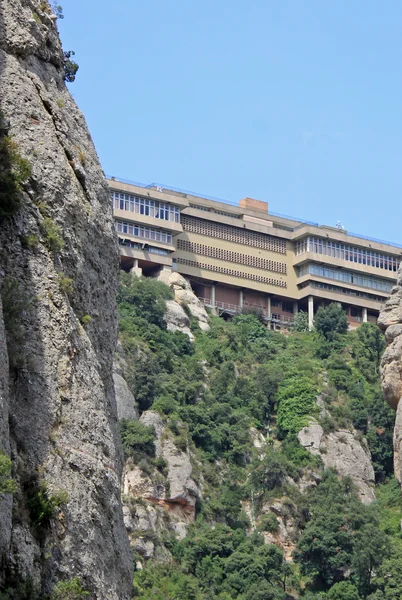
[[252, 204]]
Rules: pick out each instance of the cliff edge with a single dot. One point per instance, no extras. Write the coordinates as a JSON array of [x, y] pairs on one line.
[[58, 277], [390, 321]]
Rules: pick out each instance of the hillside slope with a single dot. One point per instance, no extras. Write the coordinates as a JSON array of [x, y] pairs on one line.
[[254, 467]]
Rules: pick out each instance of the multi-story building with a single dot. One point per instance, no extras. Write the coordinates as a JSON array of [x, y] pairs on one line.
[[243, 258]]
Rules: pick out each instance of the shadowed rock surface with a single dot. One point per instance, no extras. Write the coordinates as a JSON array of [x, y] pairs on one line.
[[58, 266], [390, 321]]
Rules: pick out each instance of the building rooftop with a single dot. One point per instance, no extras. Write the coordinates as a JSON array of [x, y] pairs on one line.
[[296, 221]]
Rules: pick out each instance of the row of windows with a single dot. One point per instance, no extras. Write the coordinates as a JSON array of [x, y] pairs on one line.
[[145, 206], [340, 290], [232, 272], [153, 249], [347, 277], [235, 257], [351, 253], [233, 234], [144, 232]]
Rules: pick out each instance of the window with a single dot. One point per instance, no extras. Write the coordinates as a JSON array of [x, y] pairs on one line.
[[143, 232], [146, 207], [347, 277], [361, 256]]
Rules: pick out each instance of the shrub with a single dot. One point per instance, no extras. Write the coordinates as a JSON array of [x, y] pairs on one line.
[[66, 284], [52, 234], [300, 322], [7, 484], [69, 590], [85, 320], [42, 505], [70, 66], [14, 172], [296, 400], [137, 439]]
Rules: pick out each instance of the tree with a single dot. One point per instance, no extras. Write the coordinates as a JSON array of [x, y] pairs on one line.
[[330, 321], [137, 439], [370, 547], [388, 580], [70, 67], [344, 590], [300, 322]]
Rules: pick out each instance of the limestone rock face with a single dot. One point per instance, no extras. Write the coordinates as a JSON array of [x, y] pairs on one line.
[[126, 404], [167, 501], [390, 321], [342, 451], [177, 319], [58, 264], [184, 295]]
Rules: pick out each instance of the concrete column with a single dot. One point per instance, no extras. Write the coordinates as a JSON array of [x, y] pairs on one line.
[[241, 298], [310, 312], [135, 269], [268, 307], [295, 308], [364, 315], [213, 295]]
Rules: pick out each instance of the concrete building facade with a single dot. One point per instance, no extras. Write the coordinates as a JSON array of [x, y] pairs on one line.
[[243, 258]]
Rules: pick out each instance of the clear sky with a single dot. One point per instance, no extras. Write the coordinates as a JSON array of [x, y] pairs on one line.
[[296, 102]]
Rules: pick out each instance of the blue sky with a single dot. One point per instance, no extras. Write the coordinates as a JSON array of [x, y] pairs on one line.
[[296, 102]]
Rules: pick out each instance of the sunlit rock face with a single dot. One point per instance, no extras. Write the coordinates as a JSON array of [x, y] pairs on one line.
[[390, 321], [58, 278]]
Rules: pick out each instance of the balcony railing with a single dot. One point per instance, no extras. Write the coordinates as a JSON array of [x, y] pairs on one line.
[[236, 309]]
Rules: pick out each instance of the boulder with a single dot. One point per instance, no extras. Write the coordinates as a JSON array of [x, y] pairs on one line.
[[177, 319], [126, 405], [344, 452], [184, 295]]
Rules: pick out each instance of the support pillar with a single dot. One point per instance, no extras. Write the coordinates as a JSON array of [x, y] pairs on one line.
[[310, 312], [269, 312], [241, 299], [213, 295], [135, 269], [295, 308], [364, 315]]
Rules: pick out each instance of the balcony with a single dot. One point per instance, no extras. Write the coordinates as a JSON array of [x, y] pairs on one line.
[[235, 309]]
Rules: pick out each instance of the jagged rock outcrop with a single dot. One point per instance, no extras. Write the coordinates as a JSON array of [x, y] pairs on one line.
[[185, 296], [177, 319], [156, 501], [127, 407], [344, 452], [58, 276], [390, 321]]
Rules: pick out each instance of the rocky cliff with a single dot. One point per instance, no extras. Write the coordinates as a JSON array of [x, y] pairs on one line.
[[390, 321], [58, 273]]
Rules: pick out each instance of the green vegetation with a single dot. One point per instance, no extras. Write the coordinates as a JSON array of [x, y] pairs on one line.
[[52, 235], [42, 506], [137, 439], [70, 67], [14, 172], [7, 484], [237, 378], [66, 286], [69, 590]]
